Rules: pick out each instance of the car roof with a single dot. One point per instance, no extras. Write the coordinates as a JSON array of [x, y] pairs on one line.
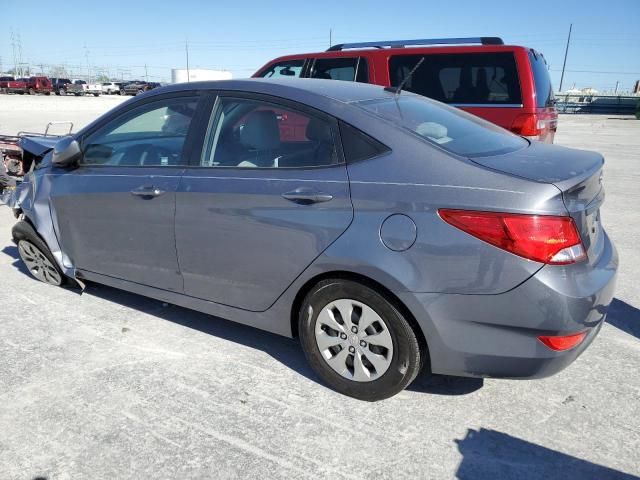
[[340, 91]]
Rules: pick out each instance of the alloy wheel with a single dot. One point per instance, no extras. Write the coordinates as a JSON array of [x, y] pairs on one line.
[[354, 340], [38, 263]]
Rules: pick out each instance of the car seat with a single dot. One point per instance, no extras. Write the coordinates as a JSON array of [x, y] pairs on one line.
[[261, 135]]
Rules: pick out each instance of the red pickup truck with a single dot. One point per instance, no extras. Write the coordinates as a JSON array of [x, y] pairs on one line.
[[11, 85]]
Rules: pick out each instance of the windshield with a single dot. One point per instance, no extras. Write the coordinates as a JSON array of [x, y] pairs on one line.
[[452, 129]]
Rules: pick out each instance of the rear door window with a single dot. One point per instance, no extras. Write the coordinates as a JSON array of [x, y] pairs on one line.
[[335, 68], [544, 89], [287, 69], [460, 79]]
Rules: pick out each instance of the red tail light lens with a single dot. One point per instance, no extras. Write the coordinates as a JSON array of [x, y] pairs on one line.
[[526, 125], [563, 342], [542, 238]]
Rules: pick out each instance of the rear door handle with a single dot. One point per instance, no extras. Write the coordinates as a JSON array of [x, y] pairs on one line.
[[147, 191], [307, 196]]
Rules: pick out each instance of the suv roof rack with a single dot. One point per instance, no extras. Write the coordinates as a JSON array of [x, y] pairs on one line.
[[423, 41]]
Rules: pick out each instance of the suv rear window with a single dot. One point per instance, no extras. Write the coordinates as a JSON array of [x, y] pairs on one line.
[[451, 129], [544, 90], [461, 78]]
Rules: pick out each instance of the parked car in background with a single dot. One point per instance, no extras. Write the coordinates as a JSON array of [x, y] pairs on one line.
[[59, 85], [424, 236], [111, 88], [4, 82], [505, 84], [138, 87], [81, 87], [18, 85], [39, 84]]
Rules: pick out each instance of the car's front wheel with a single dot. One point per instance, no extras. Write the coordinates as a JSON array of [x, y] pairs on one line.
[[357, 341], [36, 255]]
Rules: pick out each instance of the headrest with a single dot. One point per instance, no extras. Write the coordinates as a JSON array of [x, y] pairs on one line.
[[261, 131], [318, 131]]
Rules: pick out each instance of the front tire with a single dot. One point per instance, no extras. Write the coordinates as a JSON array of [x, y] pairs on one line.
[[36, 255], [357, 341]]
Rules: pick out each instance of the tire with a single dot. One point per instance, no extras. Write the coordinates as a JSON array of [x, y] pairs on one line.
[[47, 93], [62, 92], [96, 94], [36, 255], [395, 352], [32, 91]]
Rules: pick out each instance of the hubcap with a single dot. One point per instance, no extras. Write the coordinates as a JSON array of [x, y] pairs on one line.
[[38, 264], [354, 340]]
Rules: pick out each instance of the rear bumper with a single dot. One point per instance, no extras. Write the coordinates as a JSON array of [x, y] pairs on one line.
[[496, 335]]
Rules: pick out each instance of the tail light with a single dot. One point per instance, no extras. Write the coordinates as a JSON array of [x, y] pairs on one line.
[[526, 125], [561, 343], [541, 238]]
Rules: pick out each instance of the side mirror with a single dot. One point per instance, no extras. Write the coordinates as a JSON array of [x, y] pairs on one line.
[[66, 153]]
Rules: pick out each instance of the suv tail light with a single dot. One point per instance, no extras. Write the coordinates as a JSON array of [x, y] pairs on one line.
[[541, 238], [526, 125]]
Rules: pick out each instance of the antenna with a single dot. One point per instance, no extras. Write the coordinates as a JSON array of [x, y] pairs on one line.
[[398, 89]]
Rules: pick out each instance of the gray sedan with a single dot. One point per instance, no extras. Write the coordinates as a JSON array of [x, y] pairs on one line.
[[389, 232]]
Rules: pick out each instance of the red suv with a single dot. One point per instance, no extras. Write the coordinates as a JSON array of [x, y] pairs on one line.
[[39, 85], [505, 84]]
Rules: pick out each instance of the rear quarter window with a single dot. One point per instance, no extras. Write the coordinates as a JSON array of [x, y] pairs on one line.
[[460, 78], [544, 89]]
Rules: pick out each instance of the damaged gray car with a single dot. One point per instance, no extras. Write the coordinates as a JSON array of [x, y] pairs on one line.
[[389, 232]]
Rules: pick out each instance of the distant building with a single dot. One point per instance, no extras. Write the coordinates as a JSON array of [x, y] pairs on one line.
[[180, 75]]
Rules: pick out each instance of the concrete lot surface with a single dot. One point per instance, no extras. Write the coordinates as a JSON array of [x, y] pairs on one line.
[[107, 384]]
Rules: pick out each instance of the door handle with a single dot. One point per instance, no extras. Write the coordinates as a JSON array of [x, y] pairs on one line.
[[306, 196], [147, 192]]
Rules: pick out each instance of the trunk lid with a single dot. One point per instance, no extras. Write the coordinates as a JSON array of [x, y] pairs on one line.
[[576, 173]]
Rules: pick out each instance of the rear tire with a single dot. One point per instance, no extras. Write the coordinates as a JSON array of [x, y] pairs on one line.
[[357, 341], [32, 91], [36, 255]]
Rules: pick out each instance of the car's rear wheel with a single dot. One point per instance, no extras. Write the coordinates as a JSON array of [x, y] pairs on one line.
[[32, 91], [61, 92], [357, 341]]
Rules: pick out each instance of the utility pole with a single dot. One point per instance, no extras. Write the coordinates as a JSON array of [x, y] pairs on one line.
[[186, 48], [146, 74], [330, 39], [86, 56], [15, 58], [566, 50], [617, 83]]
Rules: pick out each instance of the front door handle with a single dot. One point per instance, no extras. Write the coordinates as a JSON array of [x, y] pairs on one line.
[[307, 196], [147, 191]]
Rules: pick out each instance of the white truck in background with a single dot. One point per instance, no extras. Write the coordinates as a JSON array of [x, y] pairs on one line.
[[81, 87]]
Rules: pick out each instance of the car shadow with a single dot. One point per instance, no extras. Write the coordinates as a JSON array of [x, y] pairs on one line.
[[625, 317], [490, 454], [285, 350]]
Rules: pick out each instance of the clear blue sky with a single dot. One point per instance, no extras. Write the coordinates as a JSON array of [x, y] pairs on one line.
[[242, 35]]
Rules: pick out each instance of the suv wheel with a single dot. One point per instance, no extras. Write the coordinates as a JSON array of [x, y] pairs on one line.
[[32, 91], [61, 92], [357, 341]]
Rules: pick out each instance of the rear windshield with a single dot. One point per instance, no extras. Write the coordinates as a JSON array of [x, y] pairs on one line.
[[544, 89], [461, 78], [452, 129]]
